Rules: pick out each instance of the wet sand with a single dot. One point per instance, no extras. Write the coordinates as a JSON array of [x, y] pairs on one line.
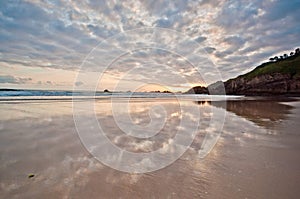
[[257, 155]]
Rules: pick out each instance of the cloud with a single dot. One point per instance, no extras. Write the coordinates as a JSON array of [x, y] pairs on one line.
[[13, 80], [79, 83], [235, 40], [254, 31], [200, 39], [237, 34], [163, 23], [209, 49]]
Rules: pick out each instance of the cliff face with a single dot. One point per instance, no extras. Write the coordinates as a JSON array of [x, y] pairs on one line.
[[266, 84], [271, 78]]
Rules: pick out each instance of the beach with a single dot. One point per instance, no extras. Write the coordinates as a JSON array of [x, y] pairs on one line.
[[256, 154]]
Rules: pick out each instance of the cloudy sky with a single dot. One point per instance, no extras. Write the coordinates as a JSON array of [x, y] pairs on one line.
[[124, 45]]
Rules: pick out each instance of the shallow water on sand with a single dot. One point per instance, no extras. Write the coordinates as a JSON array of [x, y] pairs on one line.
[[256, 155]]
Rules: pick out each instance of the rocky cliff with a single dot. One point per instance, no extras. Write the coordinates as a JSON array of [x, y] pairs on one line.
[[266, 84], [271, 78]]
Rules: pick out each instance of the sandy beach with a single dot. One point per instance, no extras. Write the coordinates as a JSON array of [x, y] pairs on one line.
[[256, 156]]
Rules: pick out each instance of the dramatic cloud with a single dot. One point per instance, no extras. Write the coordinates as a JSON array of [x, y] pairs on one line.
[[79, 83], [13, 80], [237, 35]]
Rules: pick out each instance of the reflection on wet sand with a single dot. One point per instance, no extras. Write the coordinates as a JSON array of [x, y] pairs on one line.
[[41, 138], [265, 113]]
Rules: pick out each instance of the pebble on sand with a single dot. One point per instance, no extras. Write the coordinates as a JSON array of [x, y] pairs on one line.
[[31, 175]]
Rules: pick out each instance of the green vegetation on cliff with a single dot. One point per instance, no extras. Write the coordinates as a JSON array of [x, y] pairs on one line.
[[290, 65]]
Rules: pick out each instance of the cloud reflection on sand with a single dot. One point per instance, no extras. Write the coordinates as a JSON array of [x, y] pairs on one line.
[[48, 146]]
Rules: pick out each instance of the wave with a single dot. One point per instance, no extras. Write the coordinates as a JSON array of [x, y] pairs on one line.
[[12, 93]]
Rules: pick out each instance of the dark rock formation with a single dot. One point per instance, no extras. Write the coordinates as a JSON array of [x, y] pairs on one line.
[[267, 84], [197, 90]]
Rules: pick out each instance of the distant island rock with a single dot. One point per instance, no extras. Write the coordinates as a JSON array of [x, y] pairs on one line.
[[277, 77], [197, 90]]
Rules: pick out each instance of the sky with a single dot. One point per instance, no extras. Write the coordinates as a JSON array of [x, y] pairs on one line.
[[131, 44]]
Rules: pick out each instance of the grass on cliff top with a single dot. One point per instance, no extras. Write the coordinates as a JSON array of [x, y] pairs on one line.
[[290, 66]]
